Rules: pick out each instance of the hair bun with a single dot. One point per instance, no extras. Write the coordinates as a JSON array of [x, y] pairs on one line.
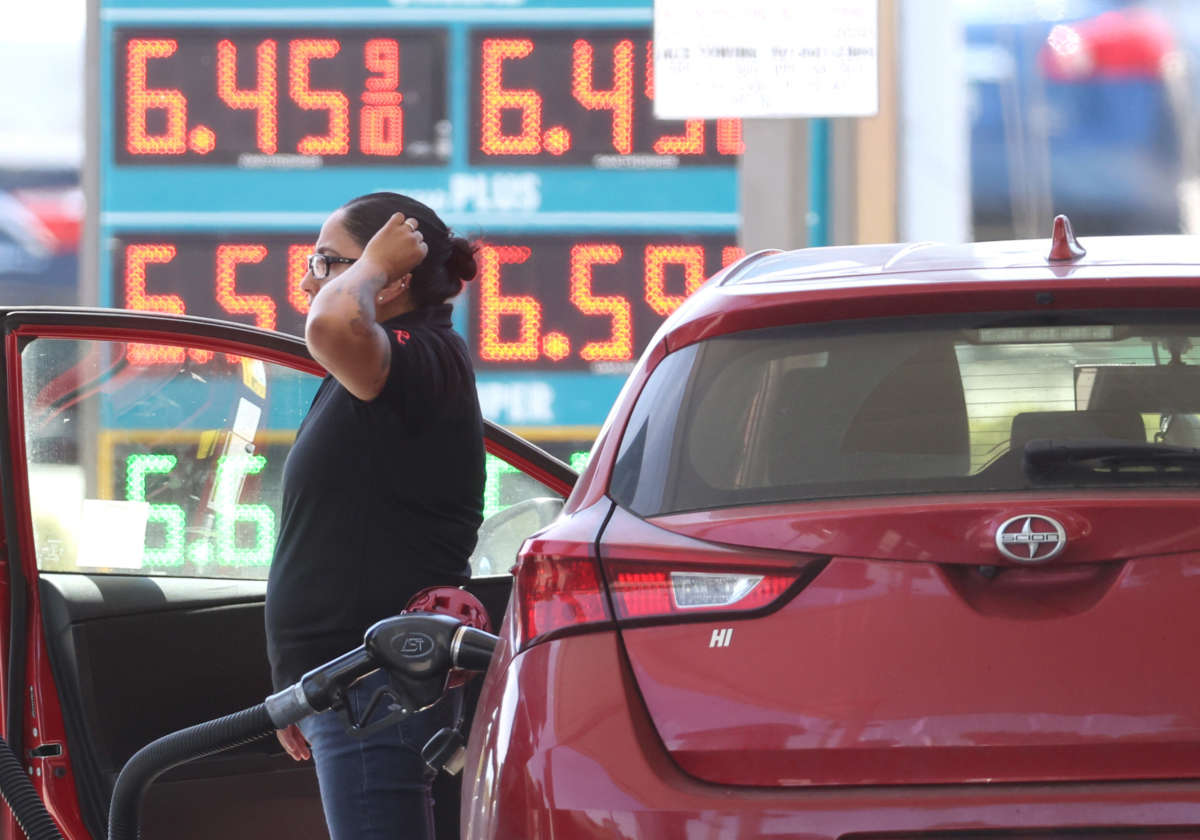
[[461, 261]]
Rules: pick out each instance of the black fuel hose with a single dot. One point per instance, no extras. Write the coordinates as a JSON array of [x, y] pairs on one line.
[[171, 750], [26, 805]]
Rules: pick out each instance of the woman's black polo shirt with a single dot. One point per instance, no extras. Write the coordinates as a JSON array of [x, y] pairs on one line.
[[380, 498]]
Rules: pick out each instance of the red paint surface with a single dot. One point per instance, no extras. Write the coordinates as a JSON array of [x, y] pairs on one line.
[[902, 689], [1119, 44], [1101, 526], [884, 673], [561, 748], [43, 713], [902, 663]]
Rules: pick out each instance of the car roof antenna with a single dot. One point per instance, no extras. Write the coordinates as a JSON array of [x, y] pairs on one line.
[[1064, 247]]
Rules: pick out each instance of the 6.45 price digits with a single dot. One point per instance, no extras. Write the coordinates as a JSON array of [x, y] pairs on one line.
[[608, 303], [301, 91]]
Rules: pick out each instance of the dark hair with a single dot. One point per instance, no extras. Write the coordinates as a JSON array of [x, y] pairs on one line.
[[450, 261]]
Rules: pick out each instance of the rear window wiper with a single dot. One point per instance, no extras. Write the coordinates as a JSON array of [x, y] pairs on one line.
[[1069, 460]]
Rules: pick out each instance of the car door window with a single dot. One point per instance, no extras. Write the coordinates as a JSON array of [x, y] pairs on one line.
[[514, 506], [156, 459]]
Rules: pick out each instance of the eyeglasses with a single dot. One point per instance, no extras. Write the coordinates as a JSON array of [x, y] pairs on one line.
[[319, 264]]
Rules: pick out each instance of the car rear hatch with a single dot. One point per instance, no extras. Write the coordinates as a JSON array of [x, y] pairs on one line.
[[917, 654], [916, 554]]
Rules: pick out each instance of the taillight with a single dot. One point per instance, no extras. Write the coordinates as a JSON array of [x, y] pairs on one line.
[[648, 575], [556, 595], [642, 591]]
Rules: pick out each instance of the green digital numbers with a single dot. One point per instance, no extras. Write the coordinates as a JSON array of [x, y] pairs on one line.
[[224, 549], [494, 470], [231, 473], [171, 517], [243, 535]]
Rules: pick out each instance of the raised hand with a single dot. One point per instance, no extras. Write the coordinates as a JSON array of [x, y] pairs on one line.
[[397, 247]]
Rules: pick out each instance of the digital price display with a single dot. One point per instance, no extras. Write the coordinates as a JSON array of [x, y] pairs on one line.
[[246, 278], [236, 527], [581, 97], [185, 536], [549, 302], [261, 98], [562, 302]]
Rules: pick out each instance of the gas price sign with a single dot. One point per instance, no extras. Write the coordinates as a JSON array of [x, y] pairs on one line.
[[229, 533], [229, 132], [614, 290]]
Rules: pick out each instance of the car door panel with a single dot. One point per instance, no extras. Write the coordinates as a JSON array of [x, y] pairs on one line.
[[132, 663], [182, 642], [122, 657], [128, 657]]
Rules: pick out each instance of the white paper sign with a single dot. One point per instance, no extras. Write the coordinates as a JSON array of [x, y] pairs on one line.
[[112, 534], [245, 422], [765, 58]]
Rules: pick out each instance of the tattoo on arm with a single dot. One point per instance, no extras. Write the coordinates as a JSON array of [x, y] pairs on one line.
[[361, 318]]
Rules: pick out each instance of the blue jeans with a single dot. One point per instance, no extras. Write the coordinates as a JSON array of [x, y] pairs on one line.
[[378, 788]]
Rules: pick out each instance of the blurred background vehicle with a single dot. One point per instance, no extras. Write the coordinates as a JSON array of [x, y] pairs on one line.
[[41, 150], [1084, 107], [41, 216]]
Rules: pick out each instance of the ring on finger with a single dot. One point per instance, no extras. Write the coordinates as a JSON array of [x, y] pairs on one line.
[[411, 222]]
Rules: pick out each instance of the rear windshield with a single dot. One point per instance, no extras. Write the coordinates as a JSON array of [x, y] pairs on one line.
[[927, 405]]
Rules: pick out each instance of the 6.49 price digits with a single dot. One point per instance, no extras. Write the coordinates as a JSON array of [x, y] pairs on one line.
[[567, 303], [602, 113]]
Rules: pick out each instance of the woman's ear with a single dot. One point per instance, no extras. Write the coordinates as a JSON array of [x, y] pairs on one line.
[[394, 290]]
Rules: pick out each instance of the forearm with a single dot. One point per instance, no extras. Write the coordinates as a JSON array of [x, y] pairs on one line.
[[343, 311]]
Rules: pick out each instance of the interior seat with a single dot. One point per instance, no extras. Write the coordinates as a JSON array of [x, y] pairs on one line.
[[1075, 425]]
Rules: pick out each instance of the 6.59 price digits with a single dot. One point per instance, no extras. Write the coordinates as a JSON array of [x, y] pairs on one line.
[[344, 99], [601, 116], [255, 282], [561, 303]]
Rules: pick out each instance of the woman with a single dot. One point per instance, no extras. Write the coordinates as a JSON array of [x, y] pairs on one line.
[[382, 491]]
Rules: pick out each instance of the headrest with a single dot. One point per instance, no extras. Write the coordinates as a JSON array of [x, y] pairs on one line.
[[1075, 425]]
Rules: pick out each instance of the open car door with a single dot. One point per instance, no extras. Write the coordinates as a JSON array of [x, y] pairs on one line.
[[141, 471]]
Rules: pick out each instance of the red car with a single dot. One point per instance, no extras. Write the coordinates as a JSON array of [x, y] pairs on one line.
[[879, 541]]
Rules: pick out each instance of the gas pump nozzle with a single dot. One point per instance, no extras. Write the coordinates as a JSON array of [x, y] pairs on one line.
[[417, 650]]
